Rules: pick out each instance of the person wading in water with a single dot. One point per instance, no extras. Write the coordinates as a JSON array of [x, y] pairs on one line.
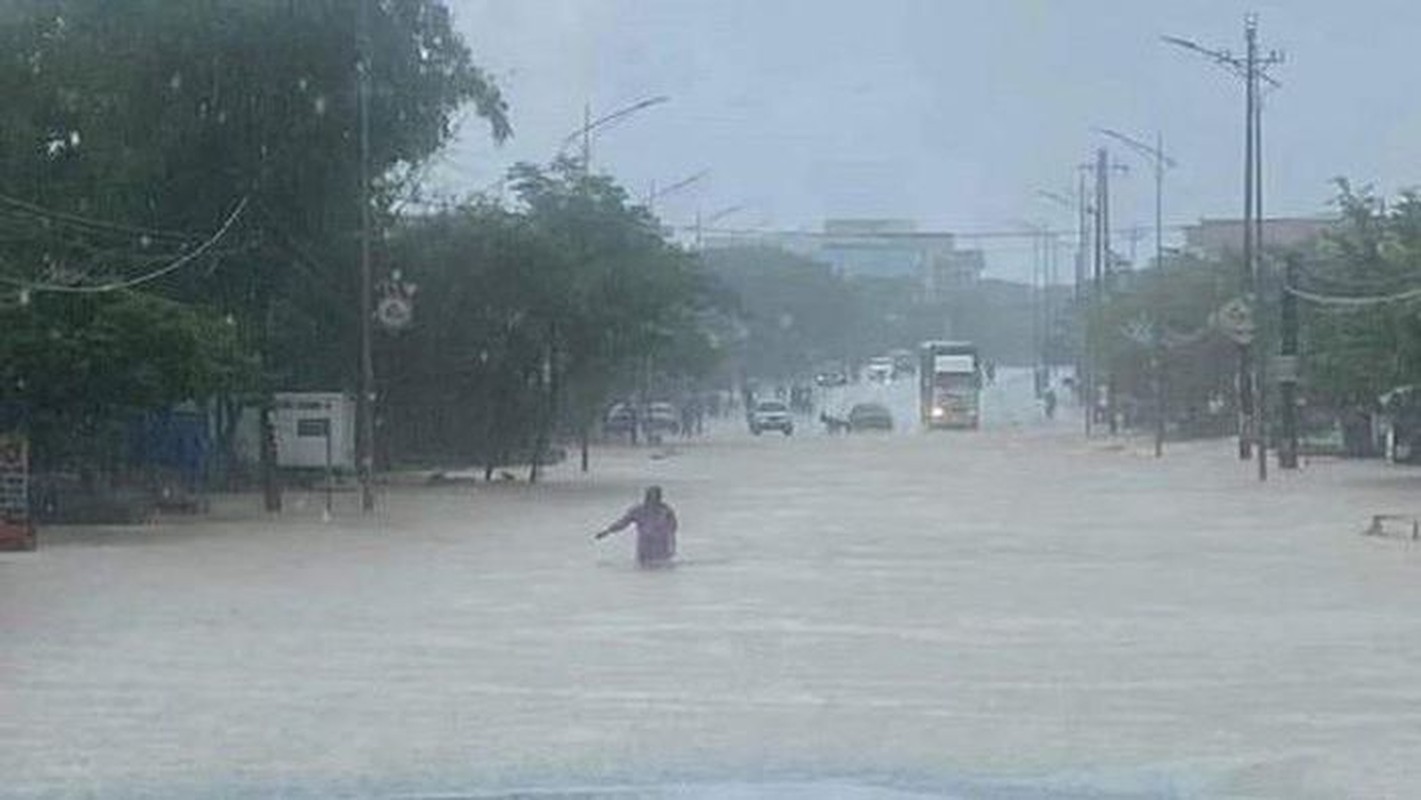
[[655, 529]]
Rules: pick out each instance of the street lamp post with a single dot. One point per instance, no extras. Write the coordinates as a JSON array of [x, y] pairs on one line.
[[1082, 209], [654, 194], [1160, 161], [584, 133], [1039, 309], [713, 218]]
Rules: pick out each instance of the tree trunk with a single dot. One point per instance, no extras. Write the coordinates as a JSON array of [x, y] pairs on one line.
[[228, 414], [271, 487], [550, 405], [582, 441]]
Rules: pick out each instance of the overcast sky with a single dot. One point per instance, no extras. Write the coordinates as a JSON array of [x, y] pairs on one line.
[[948, 112]]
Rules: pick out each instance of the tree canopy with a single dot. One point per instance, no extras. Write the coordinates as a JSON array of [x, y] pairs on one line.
[[133, 130], [531, 318]]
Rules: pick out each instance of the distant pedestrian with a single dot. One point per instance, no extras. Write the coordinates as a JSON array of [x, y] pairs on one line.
[[688, 418], [1048, 399], [655, 529]]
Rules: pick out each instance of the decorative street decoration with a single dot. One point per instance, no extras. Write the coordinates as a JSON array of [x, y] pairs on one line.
[[395, 308]]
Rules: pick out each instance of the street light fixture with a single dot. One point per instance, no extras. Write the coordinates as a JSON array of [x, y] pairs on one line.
[[1161, 161], [589, 125], [713, 218], [584, 132], [690, 180]]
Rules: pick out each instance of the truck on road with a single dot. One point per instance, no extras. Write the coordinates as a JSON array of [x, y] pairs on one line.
[[950, 383]]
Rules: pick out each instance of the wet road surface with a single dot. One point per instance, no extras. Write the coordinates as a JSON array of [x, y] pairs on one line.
[[1010, 613]]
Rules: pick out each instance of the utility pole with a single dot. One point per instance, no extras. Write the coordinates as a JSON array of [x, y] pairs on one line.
[[1037, 311], [1084, 376], [1161, 361], [1104, 277], [1052, 244], [365, 402], [1160, 394], [1245, 352], [1161, 161], [1260, 375], [1287, 379], [1097, 286], [1253, 70]]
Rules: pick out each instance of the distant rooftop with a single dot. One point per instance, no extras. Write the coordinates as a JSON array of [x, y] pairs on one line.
[[869, 227], [1216, 237]]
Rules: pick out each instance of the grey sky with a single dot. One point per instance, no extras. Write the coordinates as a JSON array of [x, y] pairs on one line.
[[950, 113]]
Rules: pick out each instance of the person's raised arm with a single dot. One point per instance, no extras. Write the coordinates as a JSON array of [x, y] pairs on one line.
[[619, 525]]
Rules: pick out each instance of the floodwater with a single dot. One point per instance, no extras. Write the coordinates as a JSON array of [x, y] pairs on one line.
[[1014, 612]]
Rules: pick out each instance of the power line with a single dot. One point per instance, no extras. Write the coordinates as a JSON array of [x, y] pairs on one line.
[[129, 283], [79, 220], [909, 236], [1341, 301]]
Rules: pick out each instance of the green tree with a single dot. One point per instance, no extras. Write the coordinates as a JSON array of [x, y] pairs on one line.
[[132, 127], [795, 311], [78, 364], [1158, 323], [1357, 352], [531, 318]]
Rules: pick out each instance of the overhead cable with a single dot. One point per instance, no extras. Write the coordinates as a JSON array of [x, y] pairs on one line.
[[129, 283]]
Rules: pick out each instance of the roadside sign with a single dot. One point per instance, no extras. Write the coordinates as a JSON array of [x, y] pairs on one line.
[[1235, 320], [1140, 330], [395, 313], [1284, 369], [16, 532]]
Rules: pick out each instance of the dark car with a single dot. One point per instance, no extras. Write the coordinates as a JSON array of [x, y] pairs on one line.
[[831, 378], [870, 417]]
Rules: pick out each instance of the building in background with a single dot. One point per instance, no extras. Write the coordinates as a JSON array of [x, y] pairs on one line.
[[874, 248], [1223, 238]]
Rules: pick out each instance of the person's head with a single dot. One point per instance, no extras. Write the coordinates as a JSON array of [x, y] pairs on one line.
[[653, 495]]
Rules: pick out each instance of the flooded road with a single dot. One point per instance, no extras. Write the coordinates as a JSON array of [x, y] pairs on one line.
[[1014, 612]]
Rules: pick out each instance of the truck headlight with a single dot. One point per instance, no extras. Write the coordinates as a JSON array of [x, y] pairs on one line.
[[939, 412]]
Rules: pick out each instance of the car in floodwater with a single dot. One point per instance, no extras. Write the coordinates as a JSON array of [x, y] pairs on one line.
[[771, 415], [620, 419], [879, 370], [870, 417], [662, 417]]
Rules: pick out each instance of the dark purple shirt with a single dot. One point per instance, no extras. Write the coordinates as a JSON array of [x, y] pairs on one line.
[[655, 531]]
